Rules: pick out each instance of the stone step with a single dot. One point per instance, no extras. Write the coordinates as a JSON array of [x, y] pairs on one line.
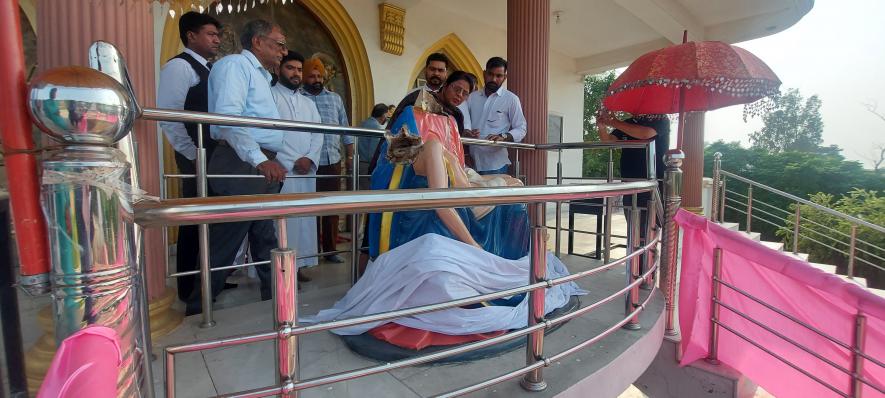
[[803, 257], [878, 292], [754, 235], [830, 269], [772, 245], [730, 225], [858, 280]]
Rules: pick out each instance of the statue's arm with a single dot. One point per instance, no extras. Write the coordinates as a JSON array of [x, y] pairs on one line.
[[430, 163]]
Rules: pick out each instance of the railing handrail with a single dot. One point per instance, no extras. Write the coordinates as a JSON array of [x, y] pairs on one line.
[[170, 115], [792, 197], [254, 207]]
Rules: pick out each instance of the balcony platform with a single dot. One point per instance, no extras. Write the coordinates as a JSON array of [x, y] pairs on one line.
[[605, 369]]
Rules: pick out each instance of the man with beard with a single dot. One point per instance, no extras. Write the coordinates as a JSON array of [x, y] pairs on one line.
[[184, 85], [496, 115], [436, 71], [304, 150], [332, 111], [239, 84]]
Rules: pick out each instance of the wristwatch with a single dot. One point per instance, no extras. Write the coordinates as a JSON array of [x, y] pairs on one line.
[[507, 137]]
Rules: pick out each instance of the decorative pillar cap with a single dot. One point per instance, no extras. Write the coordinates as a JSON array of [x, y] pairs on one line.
[[77, 105], [717, 156]]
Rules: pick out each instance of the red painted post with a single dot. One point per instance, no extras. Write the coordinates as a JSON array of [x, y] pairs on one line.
[[21, 163]]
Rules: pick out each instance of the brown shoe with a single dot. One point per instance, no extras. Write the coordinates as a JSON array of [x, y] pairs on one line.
[[303, 278]]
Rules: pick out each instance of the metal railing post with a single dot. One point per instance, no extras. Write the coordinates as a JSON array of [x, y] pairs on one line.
[[285, 283], [651, 254], [717, 177], [851, 251], [749, 208], [670, 236], [205, 271], [798, 218], [713, 348], [607, 220], [534, 380], [355, 217], [516, 165], [860, 332], [722, 201], [558, 203], [631, 298]]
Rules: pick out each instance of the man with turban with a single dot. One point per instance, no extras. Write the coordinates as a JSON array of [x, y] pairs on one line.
[[332, 111]]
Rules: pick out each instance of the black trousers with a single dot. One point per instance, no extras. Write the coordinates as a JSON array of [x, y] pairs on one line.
[[188, 247], [225, 238]]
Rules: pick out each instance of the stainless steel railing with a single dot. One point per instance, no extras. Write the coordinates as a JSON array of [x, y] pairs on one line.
[[796, 225], [190, 211], [356, 132], [855, 347]]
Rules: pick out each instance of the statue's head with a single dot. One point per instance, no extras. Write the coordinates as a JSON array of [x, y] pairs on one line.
[[403, 147]]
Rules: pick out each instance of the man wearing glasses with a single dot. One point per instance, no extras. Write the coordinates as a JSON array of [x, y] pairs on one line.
[[239, 84]]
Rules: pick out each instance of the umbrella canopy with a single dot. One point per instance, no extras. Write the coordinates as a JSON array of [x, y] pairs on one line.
[[693, 76]]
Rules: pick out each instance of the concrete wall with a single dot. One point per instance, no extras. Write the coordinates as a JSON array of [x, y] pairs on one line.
[[426, 24]]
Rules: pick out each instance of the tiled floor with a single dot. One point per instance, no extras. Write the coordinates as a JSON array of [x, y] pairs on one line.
[[238, 311]]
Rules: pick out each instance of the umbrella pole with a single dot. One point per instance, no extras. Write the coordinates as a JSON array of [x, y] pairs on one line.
[[681, 129]]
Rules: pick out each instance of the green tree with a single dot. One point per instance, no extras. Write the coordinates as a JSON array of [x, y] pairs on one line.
[[817, 229], [595, 86], [800, 173], [793, 123]]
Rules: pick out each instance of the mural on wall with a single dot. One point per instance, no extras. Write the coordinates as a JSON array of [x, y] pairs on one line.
[[304, 33]]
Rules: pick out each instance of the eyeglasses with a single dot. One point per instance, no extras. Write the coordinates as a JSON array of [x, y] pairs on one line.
[[280, 43]]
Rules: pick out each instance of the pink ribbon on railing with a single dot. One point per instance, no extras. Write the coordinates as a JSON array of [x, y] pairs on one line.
[[87, 364], [816, 298]]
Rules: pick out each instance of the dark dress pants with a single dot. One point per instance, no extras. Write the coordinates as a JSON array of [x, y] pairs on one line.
[[327, 227], [225, 238]]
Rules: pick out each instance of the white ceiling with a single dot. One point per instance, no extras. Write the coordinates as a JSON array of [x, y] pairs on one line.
[[602, 34]]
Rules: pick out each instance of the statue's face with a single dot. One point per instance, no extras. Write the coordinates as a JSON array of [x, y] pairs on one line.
[[456, 92]]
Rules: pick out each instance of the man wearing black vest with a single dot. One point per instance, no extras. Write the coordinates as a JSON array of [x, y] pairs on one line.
[[184, 85]]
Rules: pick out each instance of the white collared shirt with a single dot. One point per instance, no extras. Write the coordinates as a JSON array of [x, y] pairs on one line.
[[297, 144], [498, 113], [176, 79]]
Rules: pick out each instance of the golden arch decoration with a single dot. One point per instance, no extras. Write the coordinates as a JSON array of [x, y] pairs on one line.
[[461, 56]]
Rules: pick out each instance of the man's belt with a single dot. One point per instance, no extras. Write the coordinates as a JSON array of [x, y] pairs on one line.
[[270, 154]]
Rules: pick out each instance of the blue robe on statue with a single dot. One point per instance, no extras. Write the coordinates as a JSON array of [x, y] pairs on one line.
[[504, 231]]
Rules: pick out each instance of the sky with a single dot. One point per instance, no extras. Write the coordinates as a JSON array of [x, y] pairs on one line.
[[836, 51]]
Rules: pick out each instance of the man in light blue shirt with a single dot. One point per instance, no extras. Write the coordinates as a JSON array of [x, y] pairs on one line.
[[239, 85]]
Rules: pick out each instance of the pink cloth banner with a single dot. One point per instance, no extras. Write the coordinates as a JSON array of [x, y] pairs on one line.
[[821, 300], [87, 364]]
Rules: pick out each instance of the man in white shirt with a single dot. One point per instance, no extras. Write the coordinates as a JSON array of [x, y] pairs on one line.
[[305, 148], [184, 85], [496, 115]]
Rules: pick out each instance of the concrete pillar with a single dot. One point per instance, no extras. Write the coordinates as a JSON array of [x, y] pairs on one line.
[[528, 43], [65, 29], [693, 165]]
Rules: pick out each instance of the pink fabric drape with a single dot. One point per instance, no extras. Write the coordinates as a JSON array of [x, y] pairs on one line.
[[821, 300], [87, 364]]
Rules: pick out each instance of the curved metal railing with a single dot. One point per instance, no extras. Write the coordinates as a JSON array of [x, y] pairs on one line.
[[241, 208]]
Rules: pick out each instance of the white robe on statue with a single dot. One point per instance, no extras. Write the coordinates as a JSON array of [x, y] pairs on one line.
[[433, 269], [301, 231]]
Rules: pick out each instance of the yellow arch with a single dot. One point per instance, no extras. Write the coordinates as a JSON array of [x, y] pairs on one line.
[[29, 7], [461, 56]]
